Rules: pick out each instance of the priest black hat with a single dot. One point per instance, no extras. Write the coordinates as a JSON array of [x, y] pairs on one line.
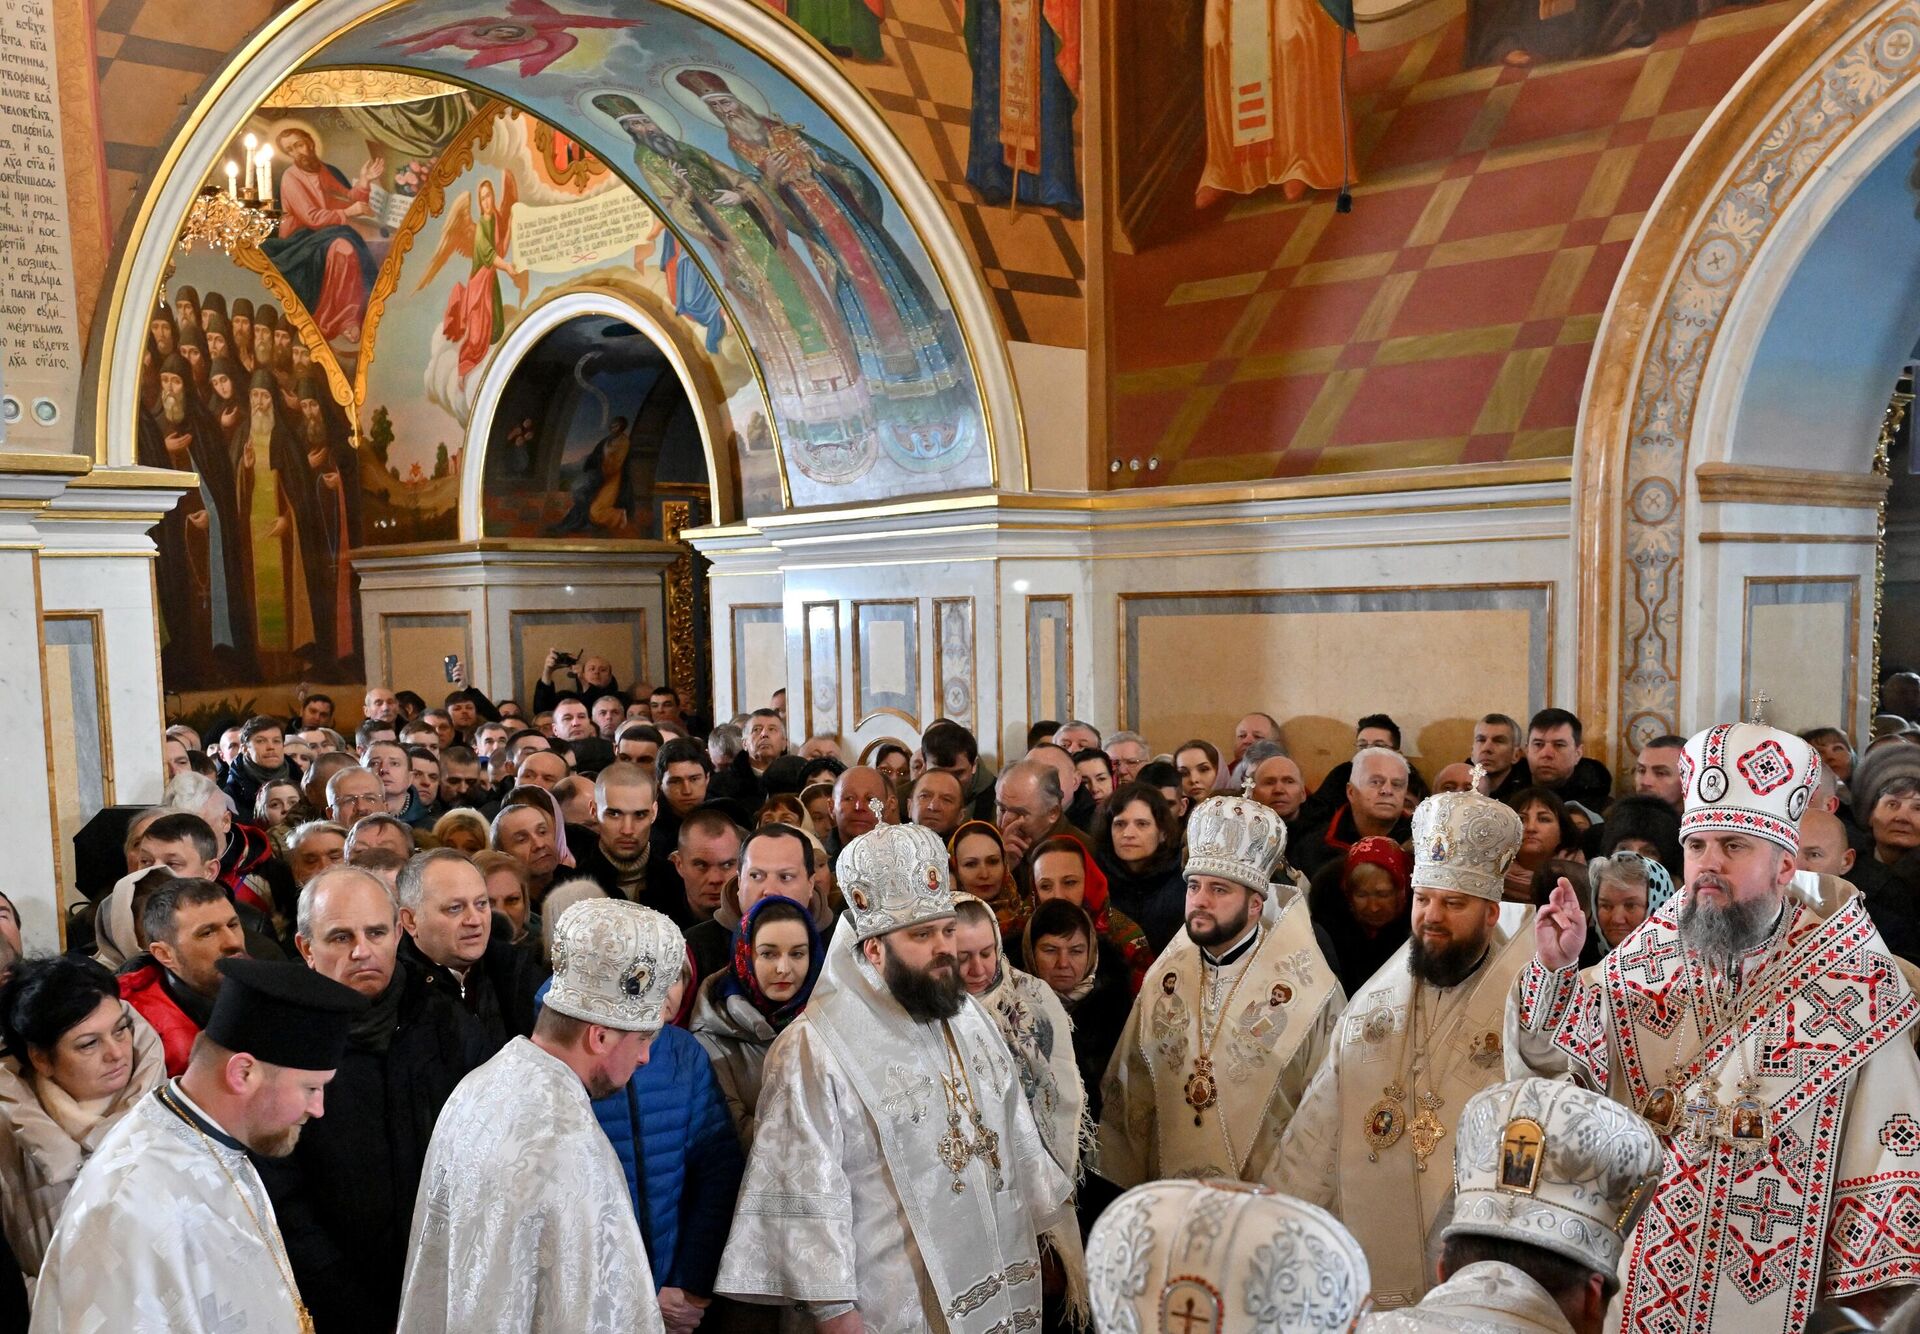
[[283, 1013]]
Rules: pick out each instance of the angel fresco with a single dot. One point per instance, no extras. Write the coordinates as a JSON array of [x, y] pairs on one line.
[[475, 316], [532, 32]]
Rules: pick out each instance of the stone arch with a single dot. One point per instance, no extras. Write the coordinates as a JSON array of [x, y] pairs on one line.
[[306, 29], [1743, 208]]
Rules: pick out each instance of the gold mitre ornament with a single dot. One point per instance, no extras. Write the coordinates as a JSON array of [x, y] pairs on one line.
[[894, 876], [1237, 839], [1463, 842], [1555, 1166]]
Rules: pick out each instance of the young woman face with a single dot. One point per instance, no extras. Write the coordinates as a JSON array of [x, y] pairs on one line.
[[1059, 875], [981, 866], [280, 799], [1063, 962], [780, 959], [1197, 773], [1135, 835], [976, 947]]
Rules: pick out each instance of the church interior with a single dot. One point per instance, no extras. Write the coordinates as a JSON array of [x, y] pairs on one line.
[[1140, 368]]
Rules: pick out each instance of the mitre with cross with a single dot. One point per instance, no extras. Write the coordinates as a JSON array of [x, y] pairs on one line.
[[895, 876]]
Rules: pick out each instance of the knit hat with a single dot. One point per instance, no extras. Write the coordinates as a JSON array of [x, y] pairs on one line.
[[1554, 1166], [1748, 778], [1878, 771], [1173, 1256]]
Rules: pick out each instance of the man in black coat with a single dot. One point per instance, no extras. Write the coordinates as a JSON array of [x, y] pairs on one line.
[[462, 948], [344, 1199]]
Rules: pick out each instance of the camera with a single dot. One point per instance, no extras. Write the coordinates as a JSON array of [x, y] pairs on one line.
[[565, 659]]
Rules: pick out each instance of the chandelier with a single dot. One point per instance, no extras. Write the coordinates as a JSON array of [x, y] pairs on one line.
[[239, 217]]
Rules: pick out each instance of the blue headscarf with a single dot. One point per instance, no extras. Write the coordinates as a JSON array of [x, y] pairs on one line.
[[739, 978]]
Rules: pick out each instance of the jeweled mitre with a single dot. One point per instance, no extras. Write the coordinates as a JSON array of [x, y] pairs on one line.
[[893, 877], [1237, 839], [1463, 843]]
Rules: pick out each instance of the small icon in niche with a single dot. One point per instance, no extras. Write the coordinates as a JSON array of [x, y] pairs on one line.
[[46, 411]]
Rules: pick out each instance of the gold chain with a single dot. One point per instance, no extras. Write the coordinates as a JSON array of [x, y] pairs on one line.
[[275, 1248]]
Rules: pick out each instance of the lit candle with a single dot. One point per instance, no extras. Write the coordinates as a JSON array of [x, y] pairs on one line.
[[266, 174], [233, 178], [252, 141]]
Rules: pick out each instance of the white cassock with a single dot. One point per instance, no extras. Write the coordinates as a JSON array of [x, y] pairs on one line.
[[1485, 1298], [523, 1224], [156, 1237], [847, 1200]]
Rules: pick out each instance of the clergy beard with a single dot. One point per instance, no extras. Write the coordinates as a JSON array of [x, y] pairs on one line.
[[277, 1145], [923, 995], [1722, 935], [173, 406], [1450, 964], [261, 432], [1224, 931]]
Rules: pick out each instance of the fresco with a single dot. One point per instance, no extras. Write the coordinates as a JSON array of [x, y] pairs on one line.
[[593, 424], [789, 225], [252, 576], [343, 177], [514, 215], [1499, 157]]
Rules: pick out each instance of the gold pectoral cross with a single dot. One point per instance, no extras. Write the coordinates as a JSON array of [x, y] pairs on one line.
[[1426, 1131]]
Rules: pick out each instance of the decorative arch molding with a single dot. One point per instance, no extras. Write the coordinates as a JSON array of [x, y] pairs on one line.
[[1744, 205], [536, 325], [305, 27]]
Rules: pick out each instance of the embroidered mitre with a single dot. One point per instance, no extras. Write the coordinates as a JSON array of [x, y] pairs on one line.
[[614, 963], [1237, 839], [1553, 1165], [893, 877], [1463, 843]]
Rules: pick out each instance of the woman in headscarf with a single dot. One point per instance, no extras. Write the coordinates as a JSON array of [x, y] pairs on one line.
[[980, 867], [1623, 891], [776, 959], [1363, 903], [1040, 1035], [1089, 978], [1061, 868]]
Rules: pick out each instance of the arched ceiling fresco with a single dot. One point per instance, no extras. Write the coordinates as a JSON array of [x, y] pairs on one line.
[[793, 228]]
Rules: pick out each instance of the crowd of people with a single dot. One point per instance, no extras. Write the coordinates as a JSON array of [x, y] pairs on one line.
[[590, 1015]]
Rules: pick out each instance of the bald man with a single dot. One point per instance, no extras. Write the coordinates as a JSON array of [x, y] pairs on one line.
[[1890, 900], [1456, 777], [1077, 796], [1823, 845]]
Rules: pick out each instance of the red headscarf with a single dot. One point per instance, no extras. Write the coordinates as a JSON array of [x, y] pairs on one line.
[[1384, 853]]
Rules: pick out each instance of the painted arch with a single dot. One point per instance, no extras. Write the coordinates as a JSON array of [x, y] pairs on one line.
[[872, 340]]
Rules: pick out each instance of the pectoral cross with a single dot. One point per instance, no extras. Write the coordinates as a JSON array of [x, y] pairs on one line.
[[1426, 1130], [1703, 1116]]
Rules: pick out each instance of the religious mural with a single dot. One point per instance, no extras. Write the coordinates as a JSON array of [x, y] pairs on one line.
[[1498, 157], [591, 433], [252, 577], [793, 231], [516, 214]]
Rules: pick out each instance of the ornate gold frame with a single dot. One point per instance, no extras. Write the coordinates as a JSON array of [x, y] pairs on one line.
[[254, 260], [942, 608]]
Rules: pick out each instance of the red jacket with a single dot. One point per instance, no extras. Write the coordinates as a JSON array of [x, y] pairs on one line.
[[142, 990]]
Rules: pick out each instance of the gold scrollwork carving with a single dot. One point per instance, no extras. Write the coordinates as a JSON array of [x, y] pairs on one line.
[[676, 516]]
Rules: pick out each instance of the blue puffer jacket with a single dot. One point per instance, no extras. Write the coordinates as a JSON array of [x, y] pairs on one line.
[[670, 1129], [685, 1171]]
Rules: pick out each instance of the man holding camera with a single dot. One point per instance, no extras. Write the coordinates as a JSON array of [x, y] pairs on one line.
[[589, 674]]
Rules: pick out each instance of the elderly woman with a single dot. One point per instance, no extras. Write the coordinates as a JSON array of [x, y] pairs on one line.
[[1623, 891], [1361, 902], [77, 1059]]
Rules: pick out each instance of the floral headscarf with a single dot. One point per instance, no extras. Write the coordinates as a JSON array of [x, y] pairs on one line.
[[740, 980], [1109, 923]]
